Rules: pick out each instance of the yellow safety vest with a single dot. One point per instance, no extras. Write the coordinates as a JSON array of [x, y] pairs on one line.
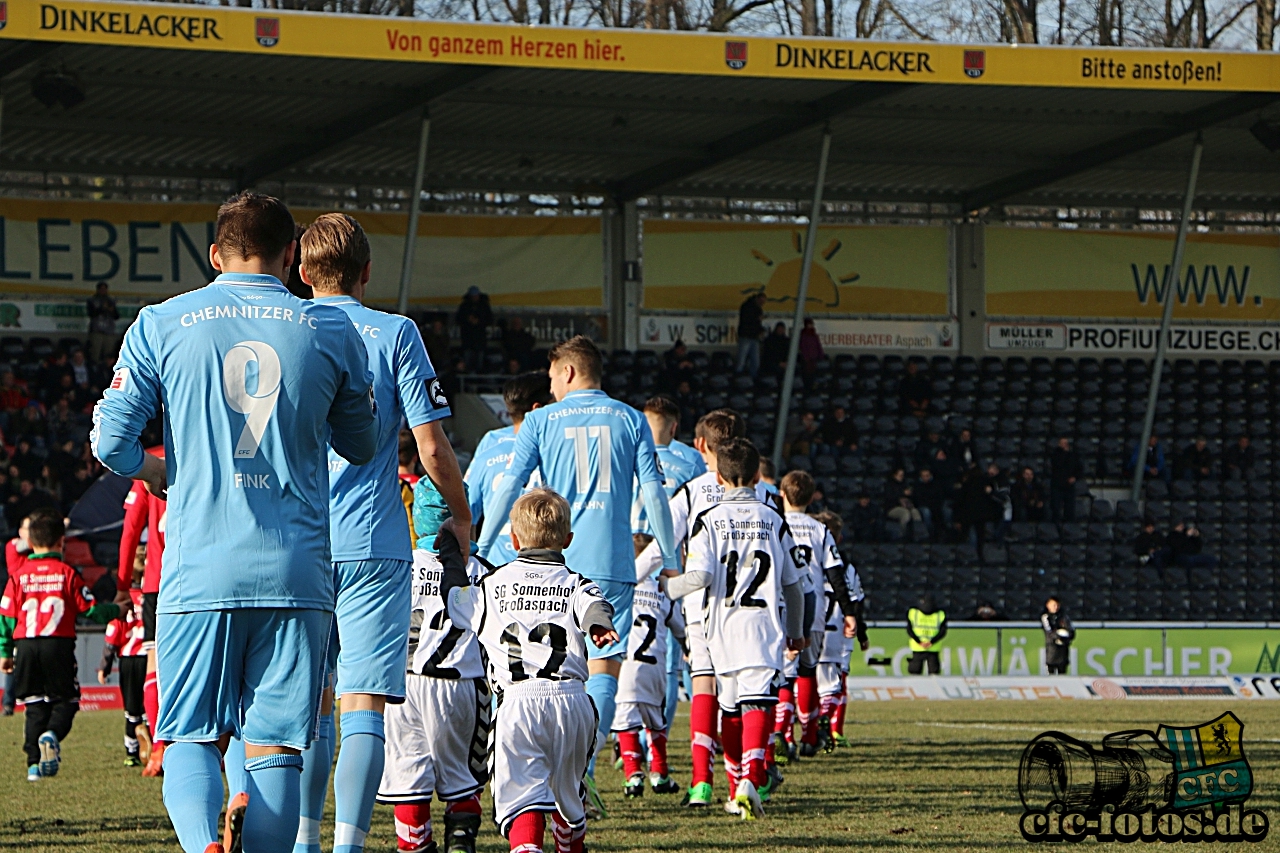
[[925, 626]]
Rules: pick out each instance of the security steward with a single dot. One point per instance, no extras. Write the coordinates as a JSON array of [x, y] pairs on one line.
[[926, 628]]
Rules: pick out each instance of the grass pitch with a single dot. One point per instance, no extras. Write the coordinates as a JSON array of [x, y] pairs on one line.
[[921, 776]]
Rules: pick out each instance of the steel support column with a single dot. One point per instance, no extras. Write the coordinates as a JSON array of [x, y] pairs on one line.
[[793, 351], [1170, 297], [415, 206]]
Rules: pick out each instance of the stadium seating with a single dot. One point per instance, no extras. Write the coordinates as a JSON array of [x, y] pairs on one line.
[[1017, 407]]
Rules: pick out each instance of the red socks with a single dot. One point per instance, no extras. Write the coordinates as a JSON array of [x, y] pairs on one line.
[[702, 729], [658, 754], [526, 832], [837, 715], [731, 739], [806, 693], [151, 702], [413, 825], [632, 756], [828, 706], [568, 839], [756, 729], [471, 805], [784, 711]]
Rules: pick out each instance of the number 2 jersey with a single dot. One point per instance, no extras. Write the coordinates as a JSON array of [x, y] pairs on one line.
[[44, 595], [437, 646], [750, 554], [643, 679], [254, 384], [528, 616]]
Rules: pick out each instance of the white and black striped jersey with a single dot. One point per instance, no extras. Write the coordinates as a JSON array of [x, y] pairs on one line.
[[438, 647], [819, 548], [750, 554], [644, 671], [528, 616]]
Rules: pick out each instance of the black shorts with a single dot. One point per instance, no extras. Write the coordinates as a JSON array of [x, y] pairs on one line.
[[149, 616], [46, 668], [133, 674]]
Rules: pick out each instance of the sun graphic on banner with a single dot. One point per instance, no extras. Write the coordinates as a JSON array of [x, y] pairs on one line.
[[784, 283]]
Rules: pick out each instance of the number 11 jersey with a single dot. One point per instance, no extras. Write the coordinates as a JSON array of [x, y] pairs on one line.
[[748, 550], [528, 616]]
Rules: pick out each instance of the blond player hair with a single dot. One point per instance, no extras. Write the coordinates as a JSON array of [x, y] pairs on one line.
[[335, 252], [540, 519]]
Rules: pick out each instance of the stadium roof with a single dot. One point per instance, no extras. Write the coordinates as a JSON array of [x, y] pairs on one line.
[[247, 96]]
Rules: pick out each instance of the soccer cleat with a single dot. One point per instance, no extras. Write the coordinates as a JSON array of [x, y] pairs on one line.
[[132, 761], [774, 776], [808, 750], [839, 739], [460, 832], [748, 800], [33, 773], [214, 847], [824, 735], [50, 754], [634, 789], [144, 743], [663, 784], [698, 796], [780, 754], [233, 826], [155, 764], [766, 790], [594, 803], [732, 807], [792, 752]]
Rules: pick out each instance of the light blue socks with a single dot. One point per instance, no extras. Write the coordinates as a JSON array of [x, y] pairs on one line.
[[316, 763], [271, 820], [193, 793], [603, 690], [355, 781], [233, 766]]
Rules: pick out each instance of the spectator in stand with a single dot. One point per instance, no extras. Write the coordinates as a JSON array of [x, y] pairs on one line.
[[1153, 461], [518, 343], [964, 454], [977, 504], [811, 351], [80, 373], [27, 500], [1186, 546], [807, 440], [474, 318], [986, 612], [774, 349], [750, 331], [915, 390], [930, 497], [13, 398], [1238, 460], [31, 426], [436, 339], [931, 453], [24, 461], [53, 373], [1065, 469], [1196, 461], [74, 487], [899, 501], [1058, 634], [513, 367], [103, 315], [1028, 497], [688, 403], [865, 520], [1149, 546], [838, 430], [677, 366]]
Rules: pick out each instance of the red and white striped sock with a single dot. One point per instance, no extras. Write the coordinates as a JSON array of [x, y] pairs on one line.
[[526, 832], [632, 753], [731, 739], [658, 753], [568, 839], [755, 744], [413, 825], [806, 693], [702, 729]]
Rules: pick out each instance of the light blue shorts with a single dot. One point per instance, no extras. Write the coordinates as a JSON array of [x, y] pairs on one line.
[[254, 672], [620, 595], [374, 603]]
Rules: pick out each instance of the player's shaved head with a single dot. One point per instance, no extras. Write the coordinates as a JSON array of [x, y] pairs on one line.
[[335, 252], [737, 462], [797, 487], [719, 426], [582, 353], [540, 519], [252, 225], [528, 390], [45, 528]]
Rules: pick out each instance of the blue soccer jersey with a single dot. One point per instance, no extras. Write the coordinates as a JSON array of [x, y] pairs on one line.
[[252, 381], [487, 469], [367, 520], [590, 449], [678, 468]]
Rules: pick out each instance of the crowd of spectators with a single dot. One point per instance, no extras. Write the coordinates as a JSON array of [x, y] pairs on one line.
[[1195, 462]]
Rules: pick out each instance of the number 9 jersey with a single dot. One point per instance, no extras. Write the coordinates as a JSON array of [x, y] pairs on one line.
[[529, 617], [748, 550]]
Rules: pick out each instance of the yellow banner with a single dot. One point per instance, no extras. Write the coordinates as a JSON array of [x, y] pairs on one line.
[[856, 270], [1043, 272], [199, 27], [153, 251]]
